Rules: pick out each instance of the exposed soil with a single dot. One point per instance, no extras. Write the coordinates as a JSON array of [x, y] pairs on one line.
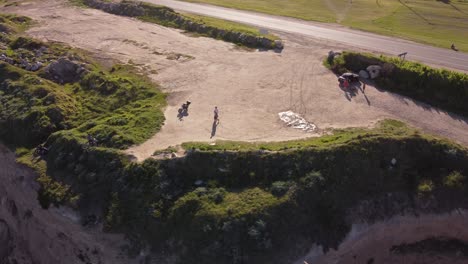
[[30, 234], [250, 88]]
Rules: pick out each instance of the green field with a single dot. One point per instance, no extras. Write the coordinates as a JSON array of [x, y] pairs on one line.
[[438, 23]]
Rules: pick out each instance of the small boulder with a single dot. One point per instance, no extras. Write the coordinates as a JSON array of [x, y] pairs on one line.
[[374, 71], [63, 70], [36, 66], [363, 74], [279, 44], [5, 29]]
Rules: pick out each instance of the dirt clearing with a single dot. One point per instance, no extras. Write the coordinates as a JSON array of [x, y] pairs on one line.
[[250, 88]]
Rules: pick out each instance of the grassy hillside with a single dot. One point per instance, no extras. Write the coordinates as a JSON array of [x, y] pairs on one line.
[[117, 106], [48, 90], [437, 23]]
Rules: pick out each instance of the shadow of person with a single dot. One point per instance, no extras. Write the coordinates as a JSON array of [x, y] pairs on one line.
[[367, 99], [349, 92], [213, 128], [362, 88]]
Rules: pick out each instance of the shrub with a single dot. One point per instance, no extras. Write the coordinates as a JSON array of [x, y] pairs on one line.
[[280, 188], [455, 180], [26, 43], [426, 186]]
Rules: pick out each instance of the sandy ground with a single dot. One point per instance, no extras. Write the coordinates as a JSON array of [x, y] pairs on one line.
[[30, 234], [249, 87], [366, 242]]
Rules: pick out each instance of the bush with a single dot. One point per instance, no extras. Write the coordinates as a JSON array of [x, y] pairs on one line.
[[455, 180], [26, 43], [280, 188]]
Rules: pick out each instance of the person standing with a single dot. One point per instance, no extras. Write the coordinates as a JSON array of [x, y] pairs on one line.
[[363, 87], [345, 83]]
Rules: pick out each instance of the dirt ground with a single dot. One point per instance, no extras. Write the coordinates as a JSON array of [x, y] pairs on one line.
[[250, 88], [366, 243], [30, 234]]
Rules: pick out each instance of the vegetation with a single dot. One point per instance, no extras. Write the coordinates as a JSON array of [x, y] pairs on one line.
[[438, 87], [216, 205], [437, 23], [117, 106], [10, 23]]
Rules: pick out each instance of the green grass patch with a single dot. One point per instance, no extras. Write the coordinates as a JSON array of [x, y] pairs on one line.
[[222, 205], [309, 10], [11, 23], [339, 137]]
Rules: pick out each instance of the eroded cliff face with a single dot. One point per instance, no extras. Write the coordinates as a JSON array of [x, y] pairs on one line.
[[30, 234], [410, 239]]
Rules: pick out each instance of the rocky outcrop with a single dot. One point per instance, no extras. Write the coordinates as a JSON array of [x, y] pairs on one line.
[[65, 71], [364, 74], [168, 17]]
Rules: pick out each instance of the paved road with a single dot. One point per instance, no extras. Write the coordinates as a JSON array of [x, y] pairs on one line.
[[393, 46]]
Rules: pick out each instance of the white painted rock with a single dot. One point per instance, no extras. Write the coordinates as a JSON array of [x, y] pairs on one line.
[[374, 71]]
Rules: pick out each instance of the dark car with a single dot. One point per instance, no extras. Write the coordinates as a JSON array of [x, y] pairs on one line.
[[350, 77]]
